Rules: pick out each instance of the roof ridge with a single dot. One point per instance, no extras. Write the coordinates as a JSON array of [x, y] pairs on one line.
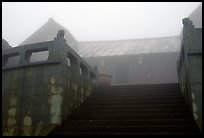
[[100, 41]]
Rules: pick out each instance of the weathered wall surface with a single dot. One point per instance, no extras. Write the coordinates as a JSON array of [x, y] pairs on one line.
[[190, 69], [37, 96], [151, 68]]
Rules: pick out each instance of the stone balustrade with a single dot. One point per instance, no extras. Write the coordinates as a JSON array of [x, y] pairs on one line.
[[42, 84]]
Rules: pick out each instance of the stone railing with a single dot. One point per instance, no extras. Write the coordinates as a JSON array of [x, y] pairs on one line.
[[42, 84], [190, 69]]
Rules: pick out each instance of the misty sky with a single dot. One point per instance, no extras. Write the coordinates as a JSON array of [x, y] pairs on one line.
[[96, 21]]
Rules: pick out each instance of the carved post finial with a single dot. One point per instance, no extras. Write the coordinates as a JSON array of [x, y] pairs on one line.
[[60, 34], [187, 21]]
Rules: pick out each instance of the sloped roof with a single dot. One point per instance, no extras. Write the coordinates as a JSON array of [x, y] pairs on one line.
[[5, 45], [127, 47], [48, 32], [104, 48], [196, 16]]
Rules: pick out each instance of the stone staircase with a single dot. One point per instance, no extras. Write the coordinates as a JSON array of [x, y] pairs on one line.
[[139, 110]]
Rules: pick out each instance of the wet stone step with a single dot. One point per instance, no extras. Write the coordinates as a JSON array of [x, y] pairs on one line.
[[139, 106], [176, 108], [167, 86], [124, 134], [135, 96], [126, 129], [149, 97], [149, 91], [138, 92], [123, 91], [153, 101], [132, 116], [132, 99], [139, 110], [138, 89], [131, 111], [121, 100], [144, 122]]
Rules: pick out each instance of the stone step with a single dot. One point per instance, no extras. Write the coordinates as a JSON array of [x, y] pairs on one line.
[[146, 86], [130, 111], [136, 94], [147, 90], [139, 110], [132, 116], [134, 97], [66, 133], [135, 102], [141, 122], [130, 129], [138, 106]]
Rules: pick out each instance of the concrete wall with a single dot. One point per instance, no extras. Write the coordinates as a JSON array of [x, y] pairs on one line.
[[152, 68], [40, 95], [190, 69]]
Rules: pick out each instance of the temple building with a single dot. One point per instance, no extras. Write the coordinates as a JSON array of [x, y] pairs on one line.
[[128, 62], [55, 85]]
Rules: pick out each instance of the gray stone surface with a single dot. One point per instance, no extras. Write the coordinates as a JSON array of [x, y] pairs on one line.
[[33, 92], [190, 69]]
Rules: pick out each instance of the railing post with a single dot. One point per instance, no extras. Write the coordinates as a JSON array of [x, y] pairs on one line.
[[190, 69]]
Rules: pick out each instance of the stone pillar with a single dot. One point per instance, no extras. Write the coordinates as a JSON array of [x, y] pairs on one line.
[[191, 69]]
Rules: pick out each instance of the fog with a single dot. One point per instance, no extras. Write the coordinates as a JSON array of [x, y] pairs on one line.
[[96, 21]]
